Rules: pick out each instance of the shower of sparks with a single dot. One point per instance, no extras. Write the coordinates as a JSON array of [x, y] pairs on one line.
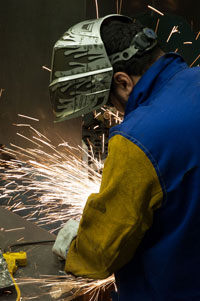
[[59, 189], [157, 25], [174, 30], [154, 9], [195, 60], [28, 117], [59, 285], [58, 182], [197, 36], [46, 68], [52, 186], [97, 8]]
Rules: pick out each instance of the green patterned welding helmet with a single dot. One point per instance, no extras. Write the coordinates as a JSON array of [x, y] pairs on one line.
[[82, 72]]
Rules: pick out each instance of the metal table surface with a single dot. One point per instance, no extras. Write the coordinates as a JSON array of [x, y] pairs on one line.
[[40, 259], [41, 262]]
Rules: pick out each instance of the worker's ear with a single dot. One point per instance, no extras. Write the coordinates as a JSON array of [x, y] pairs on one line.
[[123, 84]]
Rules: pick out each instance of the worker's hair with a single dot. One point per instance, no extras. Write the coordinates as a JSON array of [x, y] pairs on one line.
[[117, 36]]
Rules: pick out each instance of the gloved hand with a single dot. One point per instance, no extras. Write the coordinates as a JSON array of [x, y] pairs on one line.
[[65, 237]]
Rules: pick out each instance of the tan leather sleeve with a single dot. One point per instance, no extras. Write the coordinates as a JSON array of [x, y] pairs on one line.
[[115, 220]]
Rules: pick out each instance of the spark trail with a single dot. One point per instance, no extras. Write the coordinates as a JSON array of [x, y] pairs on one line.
[[57, 181], [50, 184]]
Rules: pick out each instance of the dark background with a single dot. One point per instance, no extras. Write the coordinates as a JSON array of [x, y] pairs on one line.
[[189, 9], [28, 31]]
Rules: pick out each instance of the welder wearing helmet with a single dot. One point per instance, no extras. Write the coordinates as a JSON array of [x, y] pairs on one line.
[[144, 224]]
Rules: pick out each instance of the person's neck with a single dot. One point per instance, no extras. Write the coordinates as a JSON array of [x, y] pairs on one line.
[[136, 78]]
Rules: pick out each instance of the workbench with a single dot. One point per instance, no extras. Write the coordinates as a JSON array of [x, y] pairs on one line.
[[41, 262], [40, 259]]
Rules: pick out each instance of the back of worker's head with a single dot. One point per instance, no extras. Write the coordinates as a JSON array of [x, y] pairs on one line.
[[118, 36]]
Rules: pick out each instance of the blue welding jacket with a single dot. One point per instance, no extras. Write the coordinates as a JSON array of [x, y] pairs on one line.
[[163, 118]]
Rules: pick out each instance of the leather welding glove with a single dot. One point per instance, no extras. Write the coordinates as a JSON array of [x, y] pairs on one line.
[[65, 237]]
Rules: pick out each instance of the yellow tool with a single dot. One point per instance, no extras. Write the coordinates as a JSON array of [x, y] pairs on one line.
[[14, 260]]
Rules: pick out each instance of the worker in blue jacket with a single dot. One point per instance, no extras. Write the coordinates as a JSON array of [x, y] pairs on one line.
[[144, 224]]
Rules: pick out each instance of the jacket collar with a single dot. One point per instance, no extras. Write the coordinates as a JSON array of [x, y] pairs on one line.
[[154, 79]]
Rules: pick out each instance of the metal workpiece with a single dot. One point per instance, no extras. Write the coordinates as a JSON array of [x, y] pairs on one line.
[[6, 282]]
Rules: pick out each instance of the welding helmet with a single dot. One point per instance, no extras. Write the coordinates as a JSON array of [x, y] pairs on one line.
[[82, 72]]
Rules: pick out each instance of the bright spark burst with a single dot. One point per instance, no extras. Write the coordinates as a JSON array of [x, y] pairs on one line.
[[53, 178], [66, 283], [59, 182]]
